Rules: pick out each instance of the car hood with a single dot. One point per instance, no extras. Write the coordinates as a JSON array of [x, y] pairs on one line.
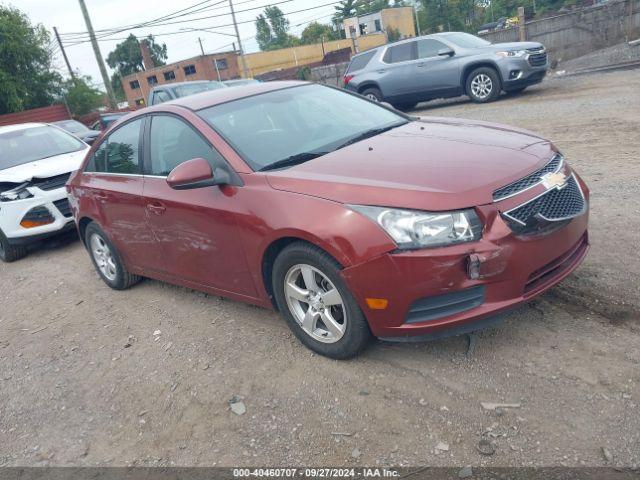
[[498, 47], [431, 164], [45, 168]]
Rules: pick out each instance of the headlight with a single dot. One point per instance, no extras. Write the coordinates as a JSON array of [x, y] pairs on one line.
[[512, 53], [412, 229]]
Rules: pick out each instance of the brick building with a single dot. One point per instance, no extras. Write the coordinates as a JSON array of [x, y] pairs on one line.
[[219, 66]]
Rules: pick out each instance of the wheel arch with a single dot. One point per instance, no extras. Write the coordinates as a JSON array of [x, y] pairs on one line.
[[83, 223], [276, 246], [368, 84], [466, 71]]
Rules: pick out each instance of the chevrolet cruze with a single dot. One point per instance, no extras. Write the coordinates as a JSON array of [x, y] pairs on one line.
[[351, 219]]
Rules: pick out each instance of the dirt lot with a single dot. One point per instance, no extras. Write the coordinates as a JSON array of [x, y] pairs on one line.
[[73, 392]]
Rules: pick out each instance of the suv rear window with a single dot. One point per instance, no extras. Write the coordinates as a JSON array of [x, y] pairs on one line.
[[401, 53], [361, 61]]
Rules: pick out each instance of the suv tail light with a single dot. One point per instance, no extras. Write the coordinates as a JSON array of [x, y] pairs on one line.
[[347, 79]]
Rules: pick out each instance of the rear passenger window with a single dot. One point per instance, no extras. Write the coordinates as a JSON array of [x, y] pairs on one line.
[[401, 53], [361, 61], [174, 142], [122, 149]]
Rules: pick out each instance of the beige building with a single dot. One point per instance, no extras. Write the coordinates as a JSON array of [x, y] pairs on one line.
[[221, 66], [400, 18]]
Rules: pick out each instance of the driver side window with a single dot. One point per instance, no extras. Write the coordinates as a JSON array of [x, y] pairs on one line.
[[174, 142]]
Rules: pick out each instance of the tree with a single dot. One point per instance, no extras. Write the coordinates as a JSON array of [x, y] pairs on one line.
[[81, 97], [27, 78], [316, 32], [345, 9], [126, 59], [272, 30]]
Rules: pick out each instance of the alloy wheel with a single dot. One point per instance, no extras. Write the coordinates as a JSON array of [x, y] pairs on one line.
[[103, 257], [372, 97], [315, 303], [481, 86]]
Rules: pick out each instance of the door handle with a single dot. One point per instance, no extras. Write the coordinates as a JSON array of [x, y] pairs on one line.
[[423, 64], [100, 196], [156, 208], [381, 71]]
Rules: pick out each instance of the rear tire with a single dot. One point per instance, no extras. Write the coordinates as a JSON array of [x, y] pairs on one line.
[[483, 85], [10, 253], [106, 259], [373, 94], [332, 325]]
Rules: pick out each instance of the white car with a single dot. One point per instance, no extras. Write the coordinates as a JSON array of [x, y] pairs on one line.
[[36, 160]]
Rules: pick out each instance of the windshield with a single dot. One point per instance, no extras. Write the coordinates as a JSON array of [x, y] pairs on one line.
[[466, 40], [72, 126], [186, 90], [27, 145], [298, 123]]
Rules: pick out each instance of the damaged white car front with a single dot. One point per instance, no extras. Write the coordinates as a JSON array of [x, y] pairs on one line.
[[36, 161]]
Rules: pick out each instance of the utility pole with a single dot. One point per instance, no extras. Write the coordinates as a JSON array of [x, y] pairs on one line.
[[201, 49], [235, 25], [96, 51], [64, 55], [415, 10]]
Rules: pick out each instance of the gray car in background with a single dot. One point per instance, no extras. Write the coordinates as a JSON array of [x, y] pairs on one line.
[[445, 65], [169, 91]]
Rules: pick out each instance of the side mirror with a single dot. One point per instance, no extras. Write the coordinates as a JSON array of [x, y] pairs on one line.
[[194, 173], [446, 52]]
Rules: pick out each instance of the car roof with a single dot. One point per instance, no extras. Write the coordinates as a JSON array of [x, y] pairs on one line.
[[406, 40], [20, 126], [223, 95]]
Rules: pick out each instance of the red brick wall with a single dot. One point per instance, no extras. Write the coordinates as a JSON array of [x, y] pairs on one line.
[[45, 114]]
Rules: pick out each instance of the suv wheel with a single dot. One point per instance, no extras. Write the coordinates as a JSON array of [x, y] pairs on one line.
[[107, 260], [483, 85], [317, 304], [373, 94], [10, 253]]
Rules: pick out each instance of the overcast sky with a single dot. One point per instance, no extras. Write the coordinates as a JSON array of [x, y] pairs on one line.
[[67, 17]]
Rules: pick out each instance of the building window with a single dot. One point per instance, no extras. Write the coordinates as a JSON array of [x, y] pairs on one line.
[[134, 84], [378, 26], [152, 79], [189, 70], [170, 75], [220, 63]]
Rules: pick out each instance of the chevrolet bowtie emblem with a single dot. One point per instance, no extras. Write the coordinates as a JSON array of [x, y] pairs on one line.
[[554, 180]]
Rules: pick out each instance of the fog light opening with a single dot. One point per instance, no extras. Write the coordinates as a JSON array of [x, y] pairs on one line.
[[37, 217], [515, 74], [473, 266]]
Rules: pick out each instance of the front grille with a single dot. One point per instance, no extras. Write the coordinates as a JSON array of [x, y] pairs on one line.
[[555, 205], [432, 308], [545, 275], [64, 207], [538, 59], [51, 183], [529, 181]]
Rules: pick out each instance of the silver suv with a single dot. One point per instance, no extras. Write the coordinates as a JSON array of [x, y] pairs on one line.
[[445, 65]]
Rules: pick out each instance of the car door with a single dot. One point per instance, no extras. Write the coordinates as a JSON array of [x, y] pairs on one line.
[[114, 183], [435, 73], [396, 70], [196, 229]]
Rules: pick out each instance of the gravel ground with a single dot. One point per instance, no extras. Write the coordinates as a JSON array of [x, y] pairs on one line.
[[620, 53], [90, 376]]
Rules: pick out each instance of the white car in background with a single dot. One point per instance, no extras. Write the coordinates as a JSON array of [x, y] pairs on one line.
[[36, 160]]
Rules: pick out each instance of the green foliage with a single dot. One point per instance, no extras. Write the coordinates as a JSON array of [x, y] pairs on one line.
[[126, 59], [81, 97], [370, 6], [316, 32], [27, 79], [345, 9], [272, 30], [393, 35]]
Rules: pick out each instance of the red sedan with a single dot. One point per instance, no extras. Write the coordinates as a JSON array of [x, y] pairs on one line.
[[350, 218]]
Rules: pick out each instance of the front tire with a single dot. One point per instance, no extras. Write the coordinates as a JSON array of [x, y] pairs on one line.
[[10, 253], [483, 85], [317, 304], [107, 260]]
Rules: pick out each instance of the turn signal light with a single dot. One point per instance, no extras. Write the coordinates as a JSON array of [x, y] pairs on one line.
[[377, 303], [35, 223]]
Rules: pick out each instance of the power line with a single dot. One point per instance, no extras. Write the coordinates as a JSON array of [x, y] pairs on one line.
[[219, 26]]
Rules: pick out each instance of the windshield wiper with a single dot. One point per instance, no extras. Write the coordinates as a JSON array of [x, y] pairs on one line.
[[368, 134], [293, 160]]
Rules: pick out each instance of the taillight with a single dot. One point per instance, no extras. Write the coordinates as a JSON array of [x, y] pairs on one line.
[[347, 79]]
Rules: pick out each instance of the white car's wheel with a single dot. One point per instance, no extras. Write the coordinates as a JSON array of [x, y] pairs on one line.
[[10, 253]]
